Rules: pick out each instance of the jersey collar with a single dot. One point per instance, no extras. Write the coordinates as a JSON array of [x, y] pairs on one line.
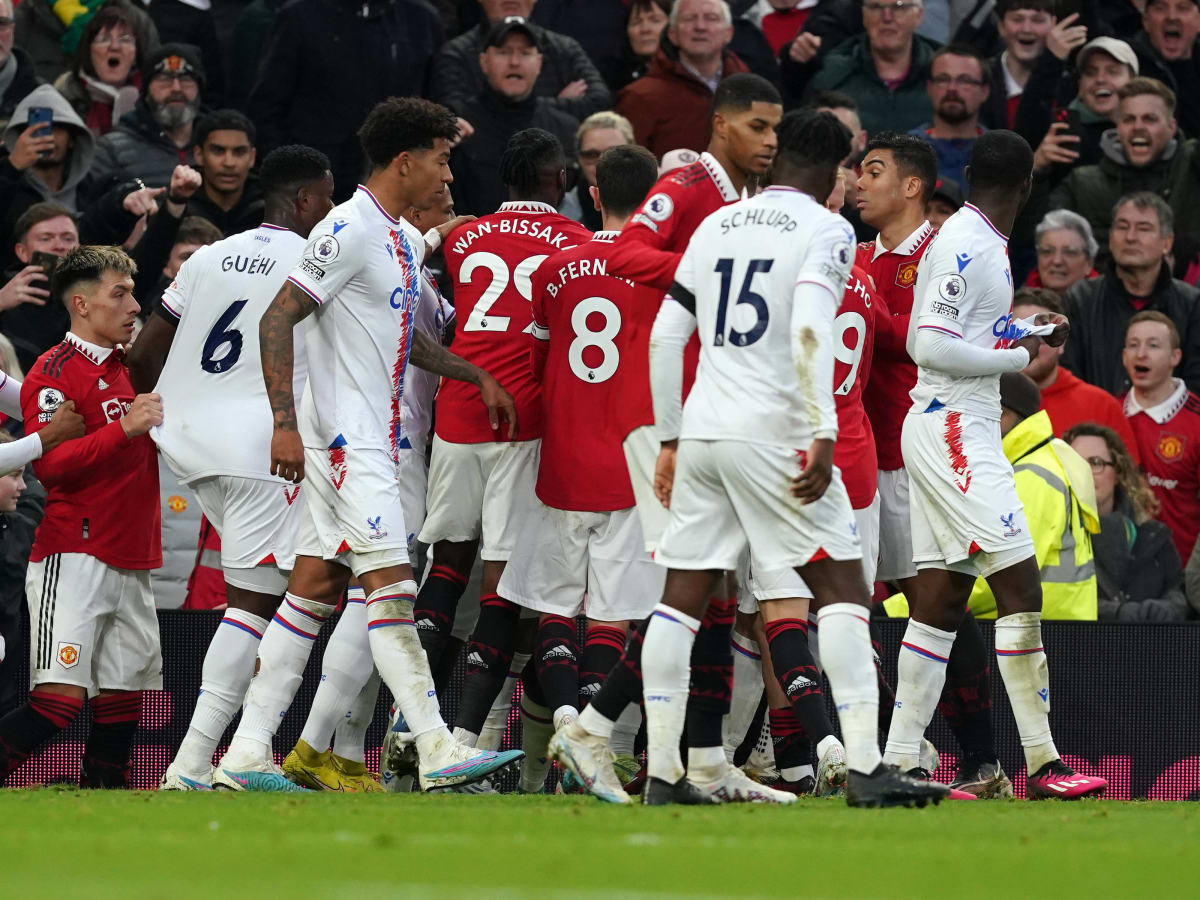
[[366, 191], [986, 221], [719, 177], [1163, 412], [533, 206], [93, 352], [910, 244], [609, 236]]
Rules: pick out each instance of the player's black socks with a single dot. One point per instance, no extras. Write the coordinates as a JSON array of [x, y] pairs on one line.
[[711, 687], [601, 652], [798, 676], [489, 655], [966, 701], [624, 683], [106, 754], [437, 601], [792, 748], [556, 657], [29, 726], [530, 685], [887, 695]]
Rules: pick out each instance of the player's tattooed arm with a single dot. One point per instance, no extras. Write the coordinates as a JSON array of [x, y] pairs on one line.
[[275, 336], [431, 356]]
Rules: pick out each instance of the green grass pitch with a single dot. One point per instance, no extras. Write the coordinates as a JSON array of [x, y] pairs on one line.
[[58, 842]]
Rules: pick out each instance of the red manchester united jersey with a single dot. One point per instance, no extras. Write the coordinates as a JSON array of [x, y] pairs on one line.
[[492, 261], [1168, 439], [648, 253], [101, 489], [893, 373], [579, 313], [854, 342]]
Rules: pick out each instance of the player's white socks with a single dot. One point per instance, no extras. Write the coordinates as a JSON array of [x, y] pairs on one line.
[[747, 691], [624, 730], [496, 723], [345, 669], [228, 667], [282, 656], [921, 676], [846, 649], [536, 731], [814, 640], [666, 672], [402, 663], [350, 738], [1022, 664]]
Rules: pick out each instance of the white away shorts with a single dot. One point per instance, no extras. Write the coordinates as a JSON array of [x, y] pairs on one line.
[[258, 521], [355, 514], [481, 491], [92, 625], [785, 584], [895, 527], [964, 507], [730, 493], [412, 475], [641, 453], [562, 555]]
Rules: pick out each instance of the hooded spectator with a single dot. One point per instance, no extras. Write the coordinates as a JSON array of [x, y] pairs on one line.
[[884, 68], [1144, 152], [17, 74], [1167, 50], [670, 107], [149, 142], [105, 80], [568, 76]]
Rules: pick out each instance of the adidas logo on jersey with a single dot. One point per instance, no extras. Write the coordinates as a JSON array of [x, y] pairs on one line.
[[559, 652], [101, 384], [474, 659], [800, 683]]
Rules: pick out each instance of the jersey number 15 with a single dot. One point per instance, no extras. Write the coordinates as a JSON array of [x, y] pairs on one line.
[[746, 297]]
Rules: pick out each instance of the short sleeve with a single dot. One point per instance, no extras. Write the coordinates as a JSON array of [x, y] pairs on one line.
[[173, 302], [829, 255], [942, 303], [333, 255]]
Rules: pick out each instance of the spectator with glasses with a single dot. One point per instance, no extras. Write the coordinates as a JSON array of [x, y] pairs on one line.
[[104, 82], [1066, 251], [598, 132], [1138, 574], [883, 68], [957, 87]]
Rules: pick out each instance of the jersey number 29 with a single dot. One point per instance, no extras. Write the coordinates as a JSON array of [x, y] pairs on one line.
[[479, 320], [221, 335]]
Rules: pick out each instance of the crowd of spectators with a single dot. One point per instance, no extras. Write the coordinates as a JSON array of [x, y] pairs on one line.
[[139, 124]]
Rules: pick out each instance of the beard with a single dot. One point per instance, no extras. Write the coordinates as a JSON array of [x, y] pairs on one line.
[[172, 115], [953, 112]]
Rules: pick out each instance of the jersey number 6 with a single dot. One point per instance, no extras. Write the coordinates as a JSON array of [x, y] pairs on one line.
[[221, 335], [747, 297]]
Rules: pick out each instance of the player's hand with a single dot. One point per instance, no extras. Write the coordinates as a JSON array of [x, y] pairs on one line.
[[142, 202], [1062, 327], [1065, 36], [144, 414], [465, 130], [1032, 344], [812, 482], [446, 227], [499, 403], [28, 149], [664, 472], [1056, 147], [20, 289], [804, 47], [64, 425], [574, 90], [185, 181], [287, 455]]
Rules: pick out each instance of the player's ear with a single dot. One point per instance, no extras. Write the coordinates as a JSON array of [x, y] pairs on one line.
[[594, 193]]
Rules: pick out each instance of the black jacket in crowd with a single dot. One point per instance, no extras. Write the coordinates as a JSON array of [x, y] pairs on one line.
[[476, 188], [138, 148], [1138, 574], [25, 79], [458, 80], [247, 213], [1182, 76], [1100, 310], [181, 23], [328, 63]]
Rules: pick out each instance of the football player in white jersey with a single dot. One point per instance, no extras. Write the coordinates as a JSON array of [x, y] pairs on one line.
[[360, 281], [967, 520], [346, 696], [761, 282], [202, 350]]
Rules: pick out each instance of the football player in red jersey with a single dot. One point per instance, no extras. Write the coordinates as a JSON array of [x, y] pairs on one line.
[[746, 109], [584, 537], [94, 627], [899, 173], [481, 482]]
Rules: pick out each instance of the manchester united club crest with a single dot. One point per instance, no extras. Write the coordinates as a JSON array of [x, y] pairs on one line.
[[176, 504], [68, 654], [906, 275], [1170, 446]]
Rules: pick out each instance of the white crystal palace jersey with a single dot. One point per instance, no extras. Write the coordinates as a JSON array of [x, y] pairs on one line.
[[433, 314], [364, 269], [743, 265], [220, 419]]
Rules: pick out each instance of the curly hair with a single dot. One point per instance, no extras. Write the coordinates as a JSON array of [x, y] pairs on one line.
[[1130, 482], [399, 124], [811, 138]]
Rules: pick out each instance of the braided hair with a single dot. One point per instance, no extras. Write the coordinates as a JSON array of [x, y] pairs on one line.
[[811, 139], [528, 156]]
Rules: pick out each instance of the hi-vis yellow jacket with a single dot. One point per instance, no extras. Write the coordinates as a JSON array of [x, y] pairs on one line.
[[1056, 488]]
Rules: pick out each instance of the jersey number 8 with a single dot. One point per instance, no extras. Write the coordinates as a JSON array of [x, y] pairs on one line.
[[602, 339], [479, 320], [221, 335]]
